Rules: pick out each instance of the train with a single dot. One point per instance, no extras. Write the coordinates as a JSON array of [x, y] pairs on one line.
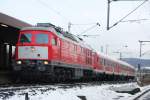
[[46, 51]]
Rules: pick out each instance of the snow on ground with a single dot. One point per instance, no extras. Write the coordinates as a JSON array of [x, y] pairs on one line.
[[143, 89], [60, 92], [126, 87]]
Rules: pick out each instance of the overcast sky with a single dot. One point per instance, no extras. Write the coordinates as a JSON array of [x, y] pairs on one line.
[[61, 12]]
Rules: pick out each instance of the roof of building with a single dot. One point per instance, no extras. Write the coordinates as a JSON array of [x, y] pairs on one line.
[[9, 28], [11, 21]]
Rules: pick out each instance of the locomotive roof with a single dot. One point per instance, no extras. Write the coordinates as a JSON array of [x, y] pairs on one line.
[[64, 35], [116, 60], [39, 28]]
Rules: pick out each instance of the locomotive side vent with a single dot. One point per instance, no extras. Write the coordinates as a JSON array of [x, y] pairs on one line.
[[58, 29]]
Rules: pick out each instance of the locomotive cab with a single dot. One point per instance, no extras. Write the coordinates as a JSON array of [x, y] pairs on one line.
[[33, 45], [35, 49]]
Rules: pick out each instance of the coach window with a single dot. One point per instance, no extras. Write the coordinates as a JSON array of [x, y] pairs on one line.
[[42, 38], [54, 42], [75, 48], [104, 62], [101, 61], [82, 51], [88, 53], [97, 59], [91, 53]]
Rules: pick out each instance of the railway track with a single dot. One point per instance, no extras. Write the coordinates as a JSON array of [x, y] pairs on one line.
[[7, 91], [67, 83], [140, 97]]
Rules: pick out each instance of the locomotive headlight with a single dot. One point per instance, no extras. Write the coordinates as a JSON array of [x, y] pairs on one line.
[[45, 62], [19, 62], [32, 49]]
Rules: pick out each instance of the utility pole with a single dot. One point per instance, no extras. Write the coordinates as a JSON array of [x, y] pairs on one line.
[[108, 13], [140, 48], [120, 54], [140, 55], [69, 27], [107, 48]]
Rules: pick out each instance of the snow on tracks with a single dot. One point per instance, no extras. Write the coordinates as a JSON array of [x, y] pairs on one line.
[[91, 91]]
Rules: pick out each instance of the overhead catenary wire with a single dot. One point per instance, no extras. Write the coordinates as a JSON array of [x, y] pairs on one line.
[[145, 53], [88, 29], [80, 24], [62, 16], [96, 24], [83, 24], [52, 9], [135, 20], [95, 35], [128, 14], [65, 18], [58, 13]]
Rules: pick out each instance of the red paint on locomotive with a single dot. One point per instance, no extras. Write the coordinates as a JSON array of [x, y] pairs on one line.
[[63, 50]]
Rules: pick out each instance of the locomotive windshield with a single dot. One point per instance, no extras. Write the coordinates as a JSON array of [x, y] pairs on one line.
[[25, 38], [42, 38]]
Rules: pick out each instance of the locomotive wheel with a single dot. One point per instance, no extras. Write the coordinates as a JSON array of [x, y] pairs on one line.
[[62, 74]]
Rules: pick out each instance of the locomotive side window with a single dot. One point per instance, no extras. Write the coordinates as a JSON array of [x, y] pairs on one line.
[[25, 38], [54, 42], [42, 38], [75, 48]]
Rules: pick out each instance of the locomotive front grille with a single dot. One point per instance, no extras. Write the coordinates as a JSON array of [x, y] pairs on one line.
[[32, 52]]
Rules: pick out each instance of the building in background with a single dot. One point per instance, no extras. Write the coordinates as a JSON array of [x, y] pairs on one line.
[[9, 30]]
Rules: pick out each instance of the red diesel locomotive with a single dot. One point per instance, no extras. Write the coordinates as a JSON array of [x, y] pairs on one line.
[[46, 50]]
